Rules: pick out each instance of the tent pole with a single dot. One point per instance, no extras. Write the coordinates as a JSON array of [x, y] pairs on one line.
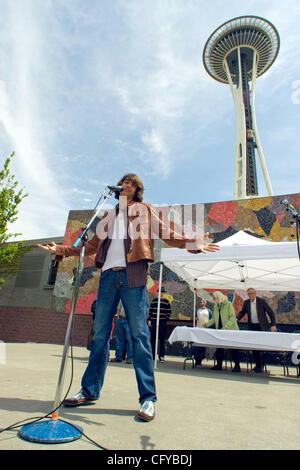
[[157, 315], [194, 313]]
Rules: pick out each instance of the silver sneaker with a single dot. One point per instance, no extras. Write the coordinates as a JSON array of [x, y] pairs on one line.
[[147, 411], [78, 400]]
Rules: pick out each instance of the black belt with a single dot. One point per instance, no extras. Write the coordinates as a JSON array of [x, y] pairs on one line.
[[119, 268]]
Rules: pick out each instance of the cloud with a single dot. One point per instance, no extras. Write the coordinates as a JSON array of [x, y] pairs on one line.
[[157, 149], [158, 84], [88, 93], [26, 103]]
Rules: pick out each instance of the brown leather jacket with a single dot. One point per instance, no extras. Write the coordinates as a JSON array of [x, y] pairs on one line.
[[145, 223]]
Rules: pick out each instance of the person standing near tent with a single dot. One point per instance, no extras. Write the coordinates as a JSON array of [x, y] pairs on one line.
[[257, 310], [203, 314], [91, 333], [164, 315], [123, 338], [224, 319], [124, 246]]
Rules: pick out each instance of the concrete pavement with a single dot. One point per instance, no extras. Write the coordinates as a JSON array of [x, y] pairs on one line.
[[197, 408]]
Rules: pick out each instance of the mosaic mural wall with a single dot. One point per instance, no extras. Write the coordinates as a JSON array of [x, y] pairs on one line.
[[264, 217]]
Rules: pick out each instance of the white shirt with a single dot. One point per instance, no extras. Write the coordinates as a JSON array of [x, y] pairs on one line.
[[202, 317], [254, 318], [116, 252]]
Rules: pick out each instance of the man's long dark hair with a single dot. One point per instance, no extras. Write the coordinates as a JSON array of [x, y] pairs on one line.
[[136, 180]]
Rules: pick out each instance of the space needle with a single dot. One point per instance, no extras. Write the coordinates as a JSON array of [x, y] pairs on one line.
[[237, 53]]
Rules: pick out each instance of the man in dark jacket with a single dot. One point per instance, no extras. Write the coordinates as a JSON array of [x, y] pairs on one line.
[[257, 310], [164, 315]]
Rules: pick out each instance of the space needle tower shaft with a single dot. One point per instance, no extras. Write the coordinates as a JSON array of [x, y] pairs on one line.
[[237, 53]]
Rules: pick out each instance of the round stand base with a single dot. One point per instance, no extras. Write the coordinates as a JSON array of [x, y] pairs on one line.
[[52, 431]]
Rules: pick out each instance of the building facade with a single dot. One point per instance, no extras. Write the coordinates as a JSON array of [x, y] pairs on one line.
[[35, 303]]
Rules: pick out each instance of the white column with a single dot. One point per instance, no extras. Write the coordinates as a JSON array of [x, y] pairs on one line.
[[257, 139], [241, 148]]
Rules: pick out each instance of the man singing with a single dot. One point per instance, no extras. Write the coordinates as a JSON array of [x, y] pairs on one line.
[[123, 244]]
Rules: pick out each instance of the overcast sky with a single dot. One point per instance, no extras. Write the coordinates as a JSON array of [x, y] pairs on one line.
[[91, 90]]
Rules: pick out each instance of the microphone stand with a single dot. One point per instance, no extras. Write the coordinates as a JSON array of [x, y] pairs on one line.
[[57, 431]]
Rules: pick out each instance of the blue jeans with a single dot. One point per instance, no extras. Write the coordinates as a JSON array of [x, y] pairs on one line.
[[113, 288], [123, 339]]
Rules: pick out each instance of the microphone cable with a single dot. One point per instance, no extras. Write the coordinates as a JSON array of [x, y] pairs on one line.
[[39, 418]]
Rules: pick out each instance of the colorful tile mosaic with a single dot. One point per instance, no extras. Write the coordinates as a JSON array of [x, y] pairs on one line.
[[263, 217]]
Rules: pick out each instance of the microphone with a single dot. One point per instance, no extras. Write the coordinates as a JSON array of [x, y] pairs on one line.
[[284, 202], [291, 208], [116, 189]]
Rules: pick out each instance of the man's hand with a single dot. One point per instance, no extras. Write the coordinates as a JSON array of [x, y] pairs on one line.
[[273, 328], [51, 247], [204, 246], [209, 247]]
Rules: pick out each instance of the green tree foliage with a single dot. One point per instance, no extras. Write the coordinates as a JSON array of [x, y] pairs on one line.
[[10, 198]]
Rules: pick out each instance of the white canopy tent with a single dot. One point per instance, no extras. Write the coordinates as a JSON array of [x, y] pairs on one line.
[[243, 261]]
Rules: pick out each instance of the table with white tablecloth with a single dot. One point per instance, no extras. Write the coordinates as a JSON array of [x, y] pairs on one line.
[[237, 339], [241, 339]]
